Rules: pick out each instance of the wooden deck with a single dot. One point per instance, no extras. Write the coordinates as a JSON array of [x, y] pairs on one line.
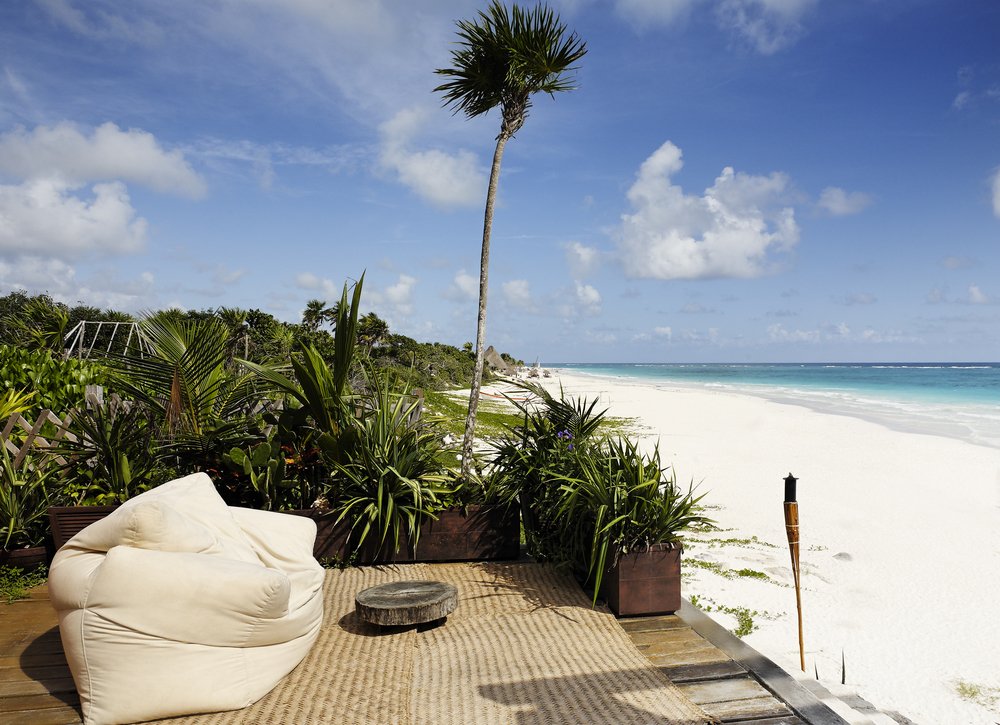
[[706, 674], [36, 687]]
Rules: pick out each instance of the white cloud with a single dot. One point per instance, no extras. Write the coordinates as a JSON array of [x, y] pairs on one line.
[[954, 262], [309, 281], [517, 292], [108, 153], [767, 25], [730, 231], [581, 259], [397, 298], [666, 332], [44, 216], [838, 202], [996, 193], [977, 296], [440, 177], [588, 298], [962, 100], [778, 333], [55, 277], [465, 286]]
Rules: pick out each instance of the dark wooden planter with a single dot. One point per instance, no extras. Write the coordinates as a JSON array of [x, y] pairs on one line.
[[27, 559], [485, 533], [67, 521], [645, 582]]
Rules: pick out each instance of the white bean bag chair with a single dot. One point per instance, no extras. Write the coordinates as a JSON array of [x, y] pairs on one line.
[[178, 604]]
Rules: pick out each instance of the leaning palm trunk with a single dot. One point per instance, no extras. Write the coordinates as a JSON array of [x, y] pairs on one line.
[[484, 276]]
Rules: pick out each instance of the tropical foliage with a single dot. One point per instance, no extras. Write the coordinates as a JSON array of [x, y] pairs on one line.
[[586, 498], [26, 492]]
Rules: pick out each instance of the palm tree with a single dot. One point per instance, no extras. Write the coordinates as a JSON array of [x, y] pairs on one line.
[[502, 59]]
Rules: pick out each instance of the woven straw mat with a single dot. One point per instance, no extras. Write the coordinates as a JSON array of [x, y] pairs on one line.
[[523, 647]]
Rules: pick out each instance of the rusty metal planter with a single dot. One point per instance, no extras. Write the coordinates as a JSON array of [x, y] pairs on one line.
[[645, 582]]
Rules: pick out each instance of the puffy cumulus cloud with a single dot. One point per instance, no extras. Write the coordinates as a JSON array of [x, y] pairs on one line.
[[45, 216], [581, 259], [398, 297], [108, 153], [729, 231], [767, 25], [996, 193], [442, 178], [977, 296], [837, 202], [464, 286], [327, 287], [517, 293], [588, 299], [665, 332]]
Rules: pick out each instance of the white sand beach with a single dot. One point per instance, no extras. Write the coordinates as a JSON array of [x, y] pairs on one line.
[[900, 541]]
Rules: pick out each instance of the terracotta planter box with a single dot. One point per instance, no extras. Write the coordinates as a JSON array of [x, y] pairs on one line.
[[27, 559], [645, 582]]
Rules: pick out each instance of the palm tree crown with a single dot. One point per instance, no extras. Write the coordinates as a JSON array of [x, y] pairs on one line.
[[505, 58]]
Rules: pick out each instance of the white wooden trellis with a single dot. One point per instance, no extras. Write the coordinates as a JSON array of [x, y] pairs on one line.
[[76, 339], [33, 440]]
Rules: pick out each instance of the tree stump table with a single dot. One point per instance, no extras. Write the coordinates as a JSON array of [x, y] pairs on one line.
[[406, 603]]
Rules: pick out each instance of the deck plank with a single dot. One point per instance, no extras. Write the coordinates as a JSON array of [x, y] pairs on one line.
[[700, 672], [741, 710]]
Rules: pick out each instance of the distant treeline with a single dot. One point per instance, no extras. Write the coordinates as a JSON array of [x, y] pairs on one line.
[[37, 322]]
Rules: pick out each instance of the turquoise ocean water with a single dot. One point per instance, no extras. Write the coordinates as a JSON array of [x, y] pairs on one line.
[[958, 400]]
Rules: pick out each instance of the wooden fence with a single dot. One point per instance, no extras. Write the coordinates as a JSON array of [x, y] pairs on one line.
[[10, 437]]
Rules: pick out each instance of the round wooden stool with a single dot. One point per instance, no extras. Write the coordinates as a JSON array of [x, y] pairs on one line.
[[406, 603]]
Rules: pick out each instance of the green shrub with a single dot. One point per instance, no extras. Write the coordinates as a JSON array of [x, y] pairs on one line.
[[57, 384]]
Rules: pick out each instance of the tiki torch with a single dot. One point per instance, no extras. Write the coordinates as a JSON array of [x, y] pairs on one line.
[[792, 531]]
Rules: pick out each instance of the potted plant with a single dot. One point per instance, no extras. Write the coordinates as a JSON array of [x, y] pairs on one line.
[[622, 517], [25, 495]]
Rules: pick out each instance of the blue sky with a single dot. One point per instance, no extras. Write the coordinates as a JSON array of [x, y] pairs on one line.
[[733, 180]]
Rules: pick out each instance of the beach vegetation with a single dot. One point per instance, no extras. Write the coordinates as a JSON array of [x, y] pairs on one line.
[[745, 618], [726, 573], [503, 58], [746, 542], [983, 695]]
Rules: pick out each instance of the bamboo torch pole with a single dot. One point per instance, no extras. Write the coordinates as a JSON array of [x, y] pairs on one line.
[[792, 531]]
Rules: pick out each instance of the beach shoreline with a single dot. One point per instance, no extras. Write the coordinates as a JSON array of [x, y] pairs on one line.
[[900, 538]]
